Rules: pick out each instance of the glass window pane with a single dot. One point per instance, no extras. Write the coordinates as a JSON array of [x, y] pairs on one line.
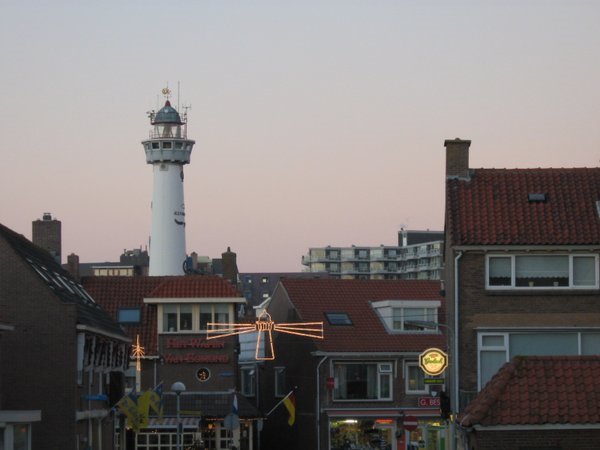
[[491, 361], [542, 271], [499, 271], [590, 343], [584, 271], [280, 384], [492, 341], [397, 318], [385, 385], [415, 378], [411, 315], [131, 315], [205, 315], [185, 317], [543, 344], [169, 317], [221, 313]]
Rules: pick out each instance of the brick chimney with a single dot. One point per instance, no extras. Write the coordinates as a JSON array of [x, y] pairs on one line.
[[457, 158], [230, 270], [46, 233], [73, 265]]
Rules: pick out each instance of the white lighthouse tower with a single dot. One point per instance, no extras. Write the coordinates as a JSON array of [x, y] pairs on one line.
[[168, 149]]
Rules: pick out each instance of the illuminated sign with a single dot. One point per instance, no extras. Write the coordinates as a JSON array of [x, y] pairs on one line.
[[192, 343], [264, 326], [433, 361], [194, 358]]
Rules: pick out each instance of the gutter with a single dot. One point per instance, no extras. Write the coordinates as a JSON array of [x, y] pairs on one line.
[[95, 330], [455, 349], [318, 406]]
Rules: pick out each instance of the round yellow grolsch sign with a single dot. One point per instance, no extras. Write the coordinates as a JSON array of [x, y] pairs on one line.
[[433, 361]]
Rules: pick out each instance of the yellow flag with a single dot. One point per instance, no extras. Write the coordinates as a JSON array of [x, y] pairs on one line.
[[128, 405]]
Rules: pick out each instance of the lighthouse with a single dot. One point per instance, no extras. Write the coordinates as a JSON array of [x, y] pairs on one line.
[[168, 149]]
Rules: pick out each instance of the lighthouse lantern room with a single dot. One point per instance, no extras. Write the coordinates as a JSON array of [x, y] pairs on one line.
[[168, 149]]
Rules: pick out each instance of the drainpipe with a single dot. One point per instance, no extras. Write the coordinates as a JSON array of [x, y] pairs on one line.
[[318, 412], [455, 349]]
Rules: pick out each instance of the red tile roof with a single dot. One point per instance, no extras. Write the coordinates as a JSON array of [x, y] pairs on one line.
[[538, 390], [312, 298], [114, 293], [493, 208], [194, 287]]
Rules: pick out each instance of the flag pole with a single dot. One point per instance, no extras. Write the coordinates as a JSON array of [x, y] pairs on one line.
[[281, 401]]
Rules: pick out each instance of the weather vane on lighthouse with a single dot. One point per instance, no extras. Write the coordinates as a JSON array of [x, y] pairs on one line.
[[168, 149]]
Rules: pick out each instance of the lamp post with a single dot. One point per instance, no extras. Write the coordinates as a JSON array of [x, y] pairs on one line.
[[178, 387], [452, 361]]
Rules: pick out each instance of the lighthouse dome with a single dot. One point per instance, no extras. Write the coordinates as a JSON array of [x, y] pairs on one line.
[[167, 114]]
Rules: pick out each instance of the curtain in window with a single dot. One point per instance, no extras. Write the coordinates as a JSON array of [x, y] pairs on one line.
[[372, 381], [341, 386], [542, 266]]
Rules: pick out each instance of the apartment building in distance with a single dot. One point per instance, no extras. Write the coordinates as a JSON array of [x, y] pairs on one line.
[[418, 256]]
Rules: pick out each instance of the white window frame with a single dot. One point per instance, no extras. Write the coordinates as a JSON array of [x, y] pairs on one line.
[[408, 365], [248, 381], [385, 310], [382, 372], [506, 344], [279, 381], [195, 317], [512, 285]]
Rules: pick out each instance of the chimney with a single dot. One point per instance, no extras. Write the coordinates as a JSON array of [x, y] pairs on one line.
[[73, 265], [457, 158], [46, 233], [230, 270]]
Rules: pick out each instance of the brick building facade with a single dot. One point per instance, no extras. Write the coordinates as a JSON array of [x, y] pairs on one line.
[[64, 356], [522, 279]]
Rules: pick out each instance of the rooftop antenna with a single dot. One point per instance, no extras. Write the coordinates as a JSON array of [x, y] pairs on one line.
[[178, 96]]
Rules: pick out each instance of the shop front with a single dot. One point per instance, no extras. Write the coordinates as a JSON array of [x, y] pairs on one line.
[[429, 434], [386, 430]]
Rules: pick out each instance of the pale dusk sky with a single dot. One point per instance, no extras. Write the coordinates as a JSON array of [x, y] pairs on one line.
[[316, 122]]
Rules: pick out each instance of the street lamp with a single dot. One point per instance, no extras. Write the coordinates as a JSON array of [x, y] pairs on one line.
[[178, 387], [452, 361]]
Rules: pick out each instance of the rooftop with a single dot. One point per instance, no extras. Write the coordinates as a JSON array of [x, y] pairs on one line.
[[539, 390]]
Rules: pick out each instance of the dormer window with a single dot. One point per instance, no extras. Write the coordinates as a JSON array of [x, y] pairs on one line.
[[412, 316]]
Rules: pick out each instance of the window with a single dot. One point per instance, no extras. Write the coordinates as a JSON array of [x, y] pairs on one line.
[[189, 317], [248, 375], [408, 315], [362, 381], [170, 318], [495, 349], [264, 280], [280, 385], [411, 319], [542, 271], [218, 313], [334, 254], [338, 318], [129, 315], [185, 317], [415, 379], [205, 316]]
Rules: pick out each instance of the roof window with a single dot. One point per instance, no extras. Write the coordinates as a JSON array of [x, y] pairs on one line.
[[536, 197], [338, 318]]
